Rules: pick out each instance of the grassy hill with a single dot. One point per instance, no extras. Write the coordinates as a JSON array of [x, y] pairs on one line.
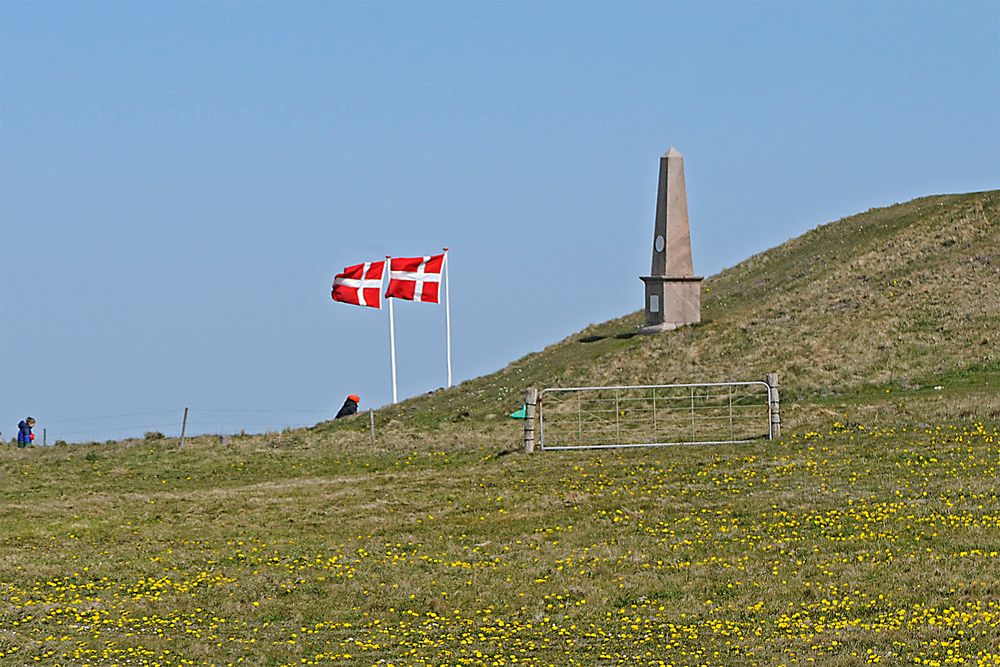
[[904, 299], [867, 535]]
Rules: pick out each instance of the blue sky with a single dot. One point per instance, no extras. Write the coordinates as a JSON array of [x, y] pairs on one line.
[[180, 181]]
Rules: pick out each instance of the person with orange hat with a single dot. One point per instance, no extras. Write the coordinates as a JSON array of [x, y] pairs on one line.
[[350, 406]]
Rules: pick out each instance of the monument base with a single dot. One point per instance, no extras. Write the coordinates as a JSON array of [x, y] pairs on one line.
[[671, 302], [659, 328]]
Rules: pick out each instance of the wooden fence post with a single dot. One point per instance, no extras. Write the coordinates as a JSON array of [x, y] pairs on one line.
[[530, 401], [371, 424], [184, 425], [772, 383]]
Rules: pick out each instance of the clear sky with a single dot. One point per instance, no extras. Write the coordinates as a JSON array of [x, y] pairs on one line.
[[180, 181]]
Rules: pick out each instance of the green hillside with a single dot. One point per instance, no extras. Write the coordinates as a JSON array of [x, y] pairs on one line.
[[866, 535], [904, 298]]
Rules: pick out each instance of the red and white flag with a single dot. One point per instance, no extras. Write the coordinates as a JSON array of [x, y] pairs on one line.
[[360, 284], [415, 278]]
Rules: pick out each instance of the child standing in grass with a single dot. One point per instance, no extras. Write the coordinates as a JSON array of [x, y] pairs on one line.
[[24, 434]]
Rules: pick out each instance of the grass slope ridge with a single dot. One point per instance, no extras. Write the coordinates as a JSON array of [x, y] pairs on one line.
[[904, 298]]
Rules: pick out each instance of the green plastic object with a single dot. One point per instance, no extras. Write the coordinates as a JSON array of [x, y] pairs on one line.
[[520, 414]]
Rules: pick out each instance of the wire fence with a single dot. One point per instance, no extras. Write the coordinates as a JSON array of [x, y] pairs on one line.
[[201, 421], [654, 415]]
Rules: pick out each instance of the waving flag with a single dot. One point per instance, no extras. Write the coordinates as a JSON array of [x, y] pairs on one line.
[[360, 284], [415, 278]]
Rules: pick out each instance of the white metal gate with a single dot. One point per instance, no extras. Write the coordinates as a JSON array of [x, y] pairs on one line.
[[711, 413]]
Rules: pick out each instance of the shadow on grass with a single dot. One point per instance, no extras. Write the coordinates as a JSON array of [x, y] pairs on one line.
[[505, 452], [621, 336]]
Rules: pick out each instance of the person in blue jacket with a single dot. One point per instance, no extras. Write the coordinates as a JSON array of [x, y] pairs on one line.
[[24, 434]]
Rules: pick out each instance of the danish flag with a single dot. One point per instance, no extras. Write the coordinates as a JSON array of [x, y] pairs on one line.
[[360, 284], [415, 278]]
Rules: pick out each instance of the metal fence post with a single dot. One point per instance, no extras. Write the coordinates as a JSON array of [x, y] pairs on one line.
[[654, 414], [618, 425], [731, 412], [579, 419], [530, 401], [694, 430], [775, 406]]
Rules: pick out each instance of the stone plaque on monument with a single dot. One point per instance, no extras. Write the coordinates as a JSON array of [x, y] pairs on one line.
[[673, 292]]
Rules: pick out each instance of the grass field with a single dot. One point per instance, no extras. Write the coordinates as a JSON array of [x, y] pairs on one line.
[[868, 534], [851, 546]]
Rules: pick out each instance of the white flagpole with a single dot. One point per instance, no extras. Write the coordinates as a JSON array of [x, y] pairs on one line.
[[447, 312], [392, 336]]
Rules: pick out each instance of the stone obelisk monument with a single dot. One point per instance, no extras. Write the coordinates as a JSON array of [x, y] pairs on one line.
[[673, 292]]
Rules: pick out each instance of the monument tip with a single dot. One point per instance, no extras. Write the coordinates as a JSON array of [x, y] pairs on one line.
[[672, 152]]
